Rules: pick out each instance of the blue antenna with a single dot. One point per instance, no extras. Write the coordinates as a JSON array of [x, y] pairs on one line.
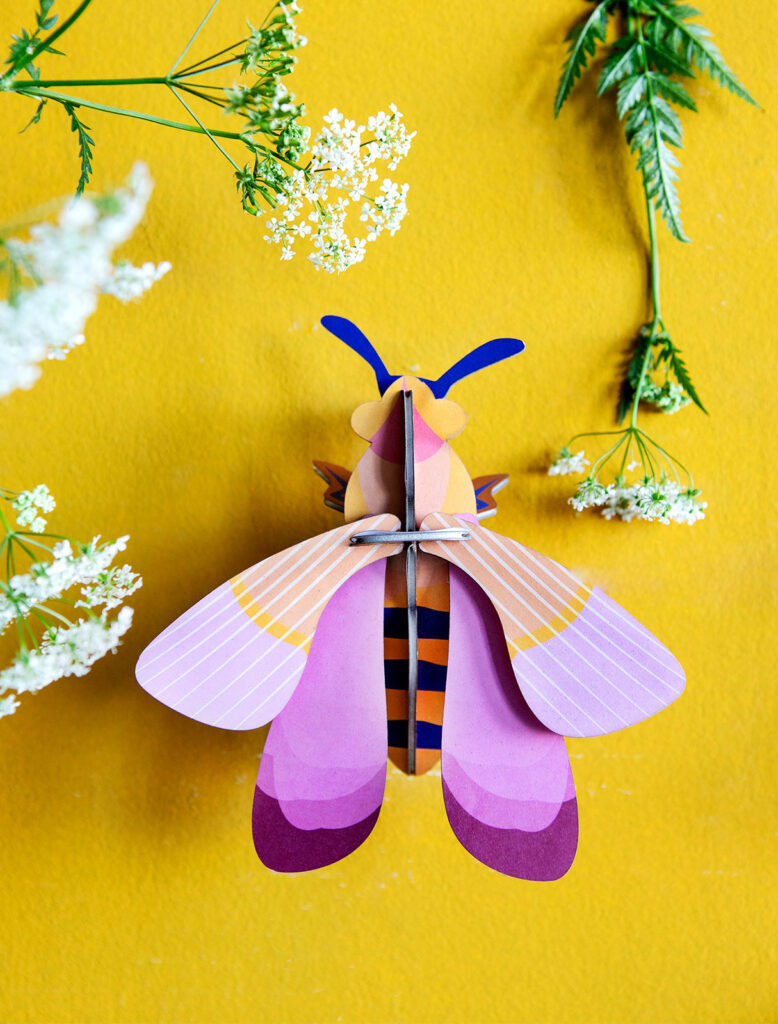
[[354, 338], [488, 354]]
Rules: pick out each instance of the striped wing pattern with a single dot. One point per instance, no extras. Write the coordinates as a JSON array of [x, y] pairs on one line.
[[234, 659], [507, 783], [323, 770], [584, 665]]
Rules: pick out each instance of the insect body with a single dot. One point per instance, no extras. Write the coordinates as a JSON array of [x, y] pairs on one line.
[[465, 640]]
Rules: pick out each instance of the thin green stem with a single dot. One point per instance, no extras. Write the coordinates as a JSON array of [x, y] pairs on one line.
[[20, 633], [44, 44], [197, 119], [213, 56], [39, 609], [77, 102], [645, 455], [200, 95], [185, 50], [593, 433], [607, 455], [670, 458], [656, 320], [210, 67], [57, 83], [24, 547]]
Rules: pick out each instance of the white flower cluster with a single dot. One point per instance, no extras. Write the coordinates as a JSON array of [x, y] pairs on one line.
[[661, 501], [30, 505], [48, 581], [64, 651], [670, 397], [67, 265], [342, 163], [72, 647], [566, 463], [129, 282]]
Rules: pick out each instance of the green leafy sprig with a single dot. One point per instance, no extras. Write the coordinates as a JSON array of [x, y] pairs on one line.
[[270, 128], [659, 46], [275, 161]]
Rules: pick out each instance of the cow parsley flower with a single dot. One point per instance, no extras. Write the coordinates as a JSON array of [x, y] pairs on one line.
[[29, 505], [56, 275], [669, 397], [566, 463], [37, 600], [314, 203], [65, 651], [659, 494]]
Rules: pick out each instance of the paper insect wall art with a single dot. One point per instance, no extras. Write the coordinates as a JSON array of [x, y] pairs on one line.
[[471, 646]]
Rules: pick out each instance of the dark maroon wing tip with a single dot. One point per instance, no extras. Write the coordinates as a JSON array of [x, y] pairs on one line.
[[283, 847], [542, 856]]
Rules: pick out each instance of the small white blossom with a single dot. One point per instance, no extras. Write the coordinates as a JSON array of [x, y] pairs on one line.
[[110, 588], [66, 266], [65, 648], [589, 494], [661, 501], [342, 171], [8, 705], [65, 651], [566, 463], [129, 282], [48, 581], [670, 397], [29, 504]]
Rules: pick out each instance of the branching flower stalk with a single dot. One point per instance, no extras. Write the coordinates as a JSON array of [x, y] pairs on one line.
[[659, 44], [46, 578], [286, 171]]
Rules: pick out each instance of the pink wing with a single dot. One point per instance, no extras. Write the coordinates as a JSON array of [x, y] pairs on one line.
[[584, 665], [507, 783], [234, 659], [322, 774]]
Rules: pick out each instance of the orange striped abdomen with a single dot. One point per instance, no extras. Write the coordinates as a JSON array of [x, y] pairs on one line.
[[433, 623]]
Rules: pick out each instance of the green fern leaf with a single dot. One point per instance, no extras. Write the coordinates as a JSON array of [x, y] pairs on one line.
[[85, 143], [682, 376], [651, 129], [693, 42], [631, 91], [583, 40], [35, 117], [625, 60], [671, 90]]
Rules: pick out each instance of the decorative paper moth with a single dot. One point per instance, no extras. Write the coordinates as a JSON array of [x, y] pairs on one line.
[[470, 643]]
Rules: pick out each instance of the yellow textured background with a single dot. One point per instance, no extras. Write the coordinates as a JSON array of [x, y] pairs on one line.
[[130, 889]]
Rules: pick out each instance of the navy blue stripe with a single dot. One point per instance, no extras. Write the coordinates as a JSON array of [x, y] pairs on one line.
[[431, 676], [427, 735], [433, 625]]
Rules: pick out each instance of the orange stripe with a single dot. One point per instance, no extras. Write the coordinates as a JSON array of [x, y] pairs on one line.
[[425, 759], [435, 597], [429, 706], [396, 705], [435, 651], [395, 648]]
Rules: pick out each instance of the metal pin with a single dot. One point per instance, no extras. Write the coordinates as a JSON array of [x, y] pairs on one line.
[[406, 536], [410, 579]]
